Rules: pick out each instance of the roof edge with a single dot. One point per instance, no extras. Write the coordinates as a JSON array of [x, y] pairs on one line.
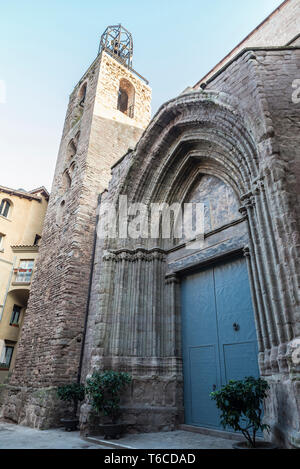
[[26, 194], [241, 42]]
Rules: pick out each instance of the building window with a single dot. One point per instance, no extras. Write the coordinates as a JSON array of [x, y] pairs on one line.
[[1, 241], [72, 169], [6, 356], [5, 206], [122, 101], [15, 317], [82, 95], [126, 97], [71, 149], [66, 181], [25, 271]]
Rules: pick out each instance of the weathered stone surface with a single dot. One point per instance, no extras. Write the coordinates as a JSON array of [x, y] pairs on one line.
[[244, 130], [278, 29], [95, 136]]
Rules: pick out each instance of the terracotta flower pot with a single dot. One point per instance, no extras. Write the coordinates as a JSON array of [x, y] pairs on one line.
[[259, 445]]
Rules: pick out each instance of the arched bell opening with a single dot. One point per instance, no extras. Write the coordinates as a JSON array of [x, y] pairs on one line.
[[126, 98]]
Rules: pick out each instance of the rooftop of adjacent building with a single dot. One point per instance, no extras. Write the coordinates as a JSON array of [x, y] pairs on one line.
[[33, 194]]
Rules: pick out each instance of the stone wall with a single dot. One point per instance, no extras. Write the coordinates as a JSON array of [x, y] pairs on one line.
[[276, 30], [243, 129], [95, 135]]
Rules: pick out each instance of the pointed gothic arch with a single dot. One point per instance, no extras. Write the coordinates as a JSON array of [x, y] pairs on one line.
[[201, 132]]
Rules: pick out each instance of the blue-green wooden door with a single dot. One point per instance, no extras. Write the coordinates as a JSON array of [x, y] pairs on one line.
[[218, 336]]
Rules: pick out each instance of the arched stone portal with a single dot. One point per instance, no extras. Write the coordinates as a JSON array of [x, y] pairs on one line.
[[136, 284]]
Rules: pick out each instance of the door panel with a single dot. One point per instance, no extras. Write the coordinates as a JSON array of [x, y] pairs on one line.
[[218, 336], [240, 360], [203, 365], [235, 321]]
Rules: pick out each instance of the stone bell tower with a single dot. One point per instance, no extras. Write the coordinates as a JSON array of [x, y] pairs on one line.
[[108, 110]]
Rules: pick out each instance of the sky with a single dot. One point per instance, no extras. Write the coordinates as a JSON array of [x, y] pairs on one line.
[[47, 45]]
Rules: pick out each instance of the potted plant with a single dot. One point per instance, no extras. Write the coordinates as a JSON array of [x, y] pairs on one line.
[[72, 393], [104, 391], [240, 403]]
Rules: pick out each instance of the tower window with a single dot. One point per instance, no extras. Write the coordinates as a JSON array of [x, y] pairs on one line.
[[5, 207], [72, 146], [122, 101], [71, 169], [82, 95], [71, 149], [126, 96], [66, 181]]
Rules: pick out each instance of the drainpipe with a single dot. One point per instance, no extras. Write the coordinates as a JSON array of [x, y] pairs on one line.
[[89, 291], [8, 285]]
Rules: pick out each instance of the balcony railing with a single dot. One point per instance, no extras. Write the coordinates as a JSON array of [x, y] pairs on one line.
[[22, 275], [4, 366], [14, 323]]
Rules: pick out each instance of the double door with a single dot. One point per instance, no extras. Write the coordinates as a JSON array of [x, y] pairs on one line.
[[218, 336]]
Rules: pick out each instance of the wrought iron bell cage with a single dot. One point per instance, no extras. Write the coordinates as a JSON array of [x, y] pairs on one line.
[[118, 43]]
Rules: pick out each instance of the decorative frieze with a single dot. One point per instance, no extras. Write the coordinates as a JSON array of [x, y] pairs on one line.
[[139, 254]]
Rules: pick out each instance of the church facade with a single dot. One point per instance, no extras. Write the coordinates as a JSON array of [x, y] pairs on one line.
[[182, 317]]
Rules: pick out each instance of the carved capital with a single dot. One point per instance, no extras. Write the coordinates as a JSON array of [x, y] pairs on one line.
[[243, 210], [109, 256], [248, 204], [171, 278], [246, 251], [259, 187]]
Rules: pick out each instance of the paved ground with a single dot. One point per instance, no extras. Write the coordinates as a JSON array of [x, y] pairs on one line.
[[178, 439], [19, 437]]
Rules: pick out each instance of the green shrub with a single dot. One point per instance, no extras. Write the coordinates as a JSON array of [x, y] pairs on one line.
[[104, 390], [73, 392], [240, 403]]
